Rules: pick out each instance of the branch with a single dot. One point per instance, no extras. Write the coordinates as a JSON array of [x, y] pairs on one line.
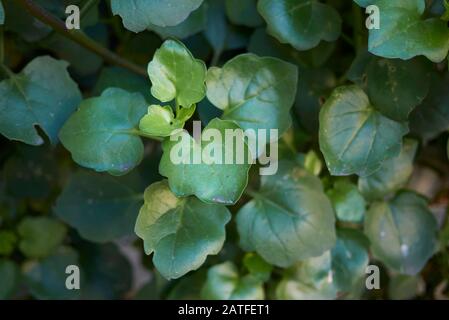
[[79, 37]]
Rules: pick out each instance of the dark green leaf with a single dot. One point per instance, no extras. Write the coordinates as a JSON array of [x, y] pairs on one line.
[[243, 12]]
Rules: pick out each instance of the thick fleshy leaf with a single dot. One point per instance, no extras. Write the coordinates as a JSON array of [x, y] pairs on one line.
[[301, 23], [176, 74], [225, 283], [40, 236], [9, 278], [181, 232], [193, 24], [348, 203], [243, 13], [289, 219], [101, 134], [100, 207], [404, 33], [211, 179], [46, 278], [396, 87], [255, 92], [402, 232], [43, 95], [354, 137], [392, 175], [431, 118], [138, 15]]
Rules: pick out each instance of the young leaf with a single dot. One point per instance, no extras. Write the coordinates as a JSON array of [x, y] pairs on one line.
[[181, 232], [138, 15], [354, 137], [396, 87], [46, 278], [402, 232], [257, 266], [100, 135], [212, 179], [100, 207], [255, 92], [159, 121], [301, 23], [225, 283], [176, 74], [392, 175], [404, 33], [348, 203], [40, 236], [42, 94], [289, 219]]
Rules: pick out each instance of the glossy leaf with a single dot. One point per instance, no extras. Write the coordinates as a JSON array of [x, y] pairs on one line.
[[392, 175], [181, 232], [138, 15], [289, 219], [402, 232], [40, 236], [354, 137], [255, 92], [101, 134], [301, 23], [212, 179], [225, 283], [176, 74], [43, 95], [100, 207], [348, 203], [404, 33], [396, 87]]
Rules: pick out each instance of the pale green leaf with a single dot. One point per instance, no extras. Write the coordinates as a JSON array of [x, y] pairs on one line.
[[348, 203], [159, 121]]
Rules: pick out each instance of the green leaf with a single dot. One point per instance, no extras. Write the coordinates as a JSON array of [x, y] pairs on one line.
[[243, 13], [301, 23], [255, 92], [7, 242], [404, 33], [138, 15], [101, 134], [175, 73], [311, 279], [349, 259], [404, 287], [212, 179], [257, 266], [348, 203], [100, 207], [193, 24], [402, 232], [159, 121], [431, 118], [9, 278], [354, 137], [43, 94], [225, 283], [40, 236], [396, 87], [46, 278], [181, 232], [392, 175], [289, 219]]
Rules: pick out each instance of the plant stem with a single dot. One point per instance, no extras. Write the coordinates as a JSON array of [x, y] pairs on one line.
[[86, 7], [79, 37]]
